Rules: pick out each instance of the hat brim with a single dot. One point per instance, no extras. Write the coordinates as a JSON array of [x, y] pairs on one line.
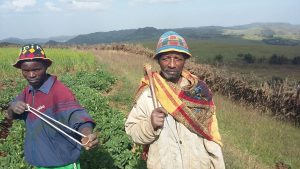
[[188, 54], [20, 61]]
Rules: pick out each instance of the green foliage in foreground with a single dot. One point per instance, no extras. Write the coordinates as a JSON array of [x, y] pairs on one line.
[[115, 148]]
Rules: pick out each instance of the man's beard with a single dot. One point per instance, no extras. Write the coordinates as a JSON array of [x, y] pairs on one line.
[[171, 77]]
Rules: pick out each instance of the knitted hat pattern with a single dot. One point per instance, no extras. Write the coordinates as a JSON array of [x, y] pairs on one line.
[[172, 41]]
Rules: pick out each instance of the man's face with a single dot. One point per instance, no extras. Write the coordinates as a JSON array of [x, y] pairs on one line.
[[34, 72], [171, 64]]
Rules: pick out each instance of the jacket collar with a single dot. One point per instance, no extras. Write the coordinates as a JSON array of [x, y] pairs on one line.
[[46, 86]]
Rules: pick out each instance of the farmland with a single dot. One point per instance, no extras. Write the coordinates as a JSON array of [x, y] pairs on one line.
[[104, 82]]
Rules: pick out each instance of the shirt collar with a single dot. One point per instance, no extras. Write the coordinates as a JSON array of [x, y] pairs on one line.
[[45, 88]]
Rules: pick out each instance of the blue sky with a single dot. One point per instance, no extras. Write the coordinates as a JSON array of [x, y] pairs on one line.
[[48, 18]]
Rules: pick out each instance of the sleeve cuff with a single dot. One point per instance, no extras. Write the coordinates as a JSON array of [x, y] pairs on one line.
[[86, 124], [151, 129]]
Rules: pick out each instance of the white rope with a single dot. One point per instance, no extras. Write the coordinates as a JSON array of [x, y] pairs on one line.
[[36, 112]]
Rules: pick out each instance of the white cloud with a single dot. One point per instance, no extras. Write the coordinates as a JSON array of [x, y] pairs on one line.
[[55, 5], [134, 2], [52, 7], [17, 5], [89, 4]]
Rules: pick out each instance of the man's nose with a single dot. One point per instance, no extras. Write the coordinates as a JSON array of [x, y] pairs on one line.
[[31, 74], [172, 63]]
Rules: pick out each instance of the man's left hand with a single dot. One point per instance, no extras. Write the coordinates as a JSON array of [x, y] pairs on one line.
[[90, 141]]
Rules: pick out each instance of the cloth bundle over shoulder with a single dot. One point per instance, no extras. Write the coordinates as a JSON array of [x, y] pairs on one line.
[[192, 106]]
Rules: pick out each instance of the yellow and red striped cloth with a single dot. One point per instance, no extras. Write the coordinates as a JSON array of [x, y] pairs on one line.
[[191, 105]]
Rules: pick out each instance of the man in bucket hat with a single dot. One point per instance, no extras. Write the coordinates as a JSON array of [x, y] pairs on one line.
[[182, 132], [45, 147]]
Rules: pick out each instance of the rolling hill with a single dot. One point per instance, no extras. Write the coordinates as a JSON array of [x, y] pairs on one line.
[[270, 33]]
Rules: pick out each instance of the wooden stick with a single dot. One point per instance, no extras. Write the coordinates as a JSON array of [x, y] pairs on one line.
[[147, 68]]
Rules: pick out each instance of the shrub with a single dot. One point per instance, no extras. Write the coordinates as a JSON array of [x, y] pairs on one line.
[[248, 58], [261, 60], [296, 60], [278, 60], [219, 59]]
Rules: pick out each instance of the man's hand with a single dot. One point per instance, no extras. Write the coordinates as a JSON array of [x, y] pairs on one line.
[[157, 118], [18, 107], [90, 141]]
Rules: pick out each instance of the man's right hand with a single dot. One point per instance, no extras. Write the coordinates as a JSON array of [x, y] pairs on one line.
[[157, 118], [18, 107]]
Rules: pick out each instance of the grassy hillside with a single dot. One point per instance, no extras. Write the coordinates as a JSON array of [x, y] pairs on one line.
[[250, 140], [260, 31], [275, 33]]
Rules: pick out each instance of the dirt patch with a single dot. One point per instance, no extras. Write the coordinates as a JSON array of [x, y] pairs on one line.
[[114, 92], [282, 165], [4, 128], [2, 154], [4, 132], [116, 87]]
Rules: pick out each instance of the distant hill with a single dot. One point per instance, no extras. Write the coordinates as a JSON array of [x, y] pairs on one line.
[[144, 34], [260, 31], [37, 40], [270, 33]]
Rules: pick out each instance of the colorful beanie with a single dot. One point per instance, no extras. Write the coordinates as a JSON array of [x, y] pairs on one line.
[[171, 41], [31, 52]]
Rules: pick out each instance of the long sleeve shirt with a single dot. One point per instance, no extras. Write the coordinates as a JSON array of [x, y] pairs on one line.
[[44, 146]]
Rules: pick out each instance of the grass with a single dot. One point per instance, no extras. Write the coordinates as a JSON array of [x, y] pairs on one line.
[[250, 140], [267, 72], [129, 69], [260, 140]]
